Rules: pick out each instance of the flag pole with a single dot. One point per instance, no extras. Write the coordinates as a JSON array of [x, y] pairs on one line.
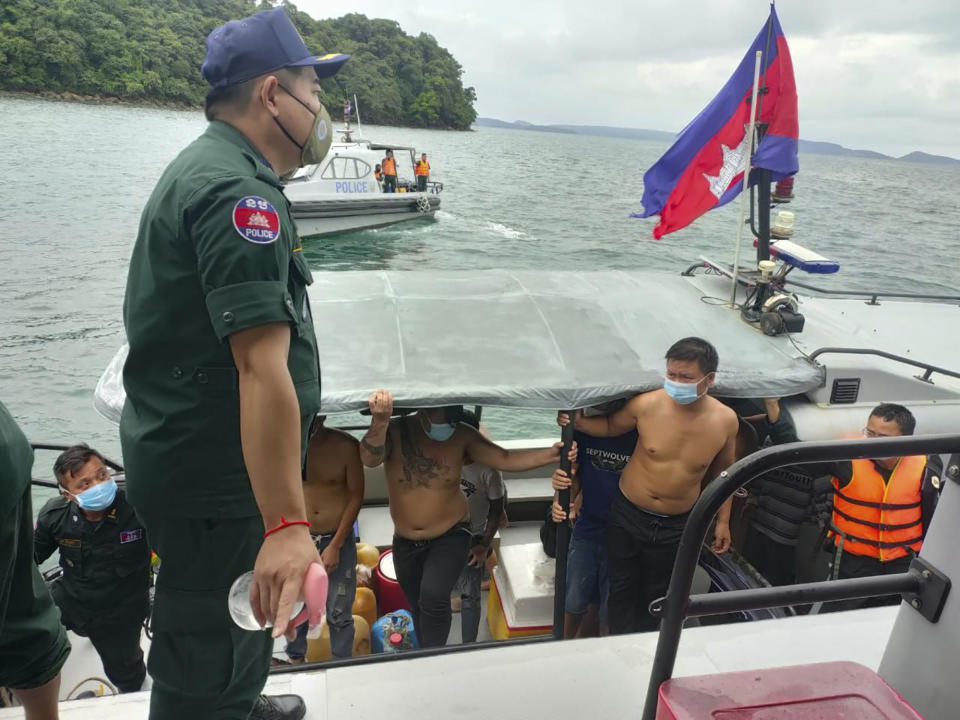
[[746, 175]]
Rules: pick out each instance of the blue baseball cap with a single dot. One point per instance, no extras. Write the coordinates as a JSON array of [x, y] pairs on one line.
[[243, 49]]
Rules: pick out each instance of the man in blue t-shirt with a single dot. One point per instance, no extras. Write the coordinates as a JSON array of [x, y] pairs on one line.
[[593, 486]]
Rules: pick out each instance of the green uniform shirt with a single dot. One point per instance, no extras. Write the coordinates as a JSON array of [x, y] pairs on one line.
[[106, 564], [217, 252], [16, 461]]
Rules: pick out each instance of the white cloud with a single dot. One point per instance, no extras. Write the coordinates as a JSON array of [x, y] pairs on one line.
[[881, 75]]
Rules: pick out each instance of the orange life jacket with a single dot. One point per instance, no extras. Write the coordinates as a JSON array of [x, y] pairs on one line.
[[389, 166], [377, 174], [422, 168], [880, 520]]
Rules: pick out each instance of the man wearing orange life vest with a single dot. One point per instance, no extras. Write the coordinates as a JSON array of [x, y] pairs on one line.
[[389, 168], [422, 171], [881, 508]]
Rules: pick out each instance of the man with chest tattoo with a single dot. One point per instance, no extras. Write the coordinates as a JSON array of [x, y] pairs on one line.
[[686, 438], [423, 454]]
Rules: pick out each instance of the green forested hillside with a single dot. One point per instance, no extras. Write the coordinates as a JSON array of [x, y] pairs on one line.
[[151, 50]]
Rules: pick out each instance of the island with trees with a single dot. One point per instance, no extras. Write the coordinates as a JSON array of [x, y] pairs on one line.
[[146, 51]]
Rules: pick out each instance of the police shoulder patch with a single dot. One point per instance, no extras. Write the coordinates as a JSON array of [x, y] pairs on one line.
[[129, 536], [256, 220]]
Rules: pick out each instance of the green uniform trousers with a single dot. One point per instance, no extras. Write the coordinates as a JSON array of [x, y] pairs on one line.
[[33, 643], [202, 664]]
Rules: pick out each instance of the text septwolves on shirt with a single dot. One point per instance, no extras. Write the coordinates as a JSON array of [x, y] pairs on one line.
[[608, 459]]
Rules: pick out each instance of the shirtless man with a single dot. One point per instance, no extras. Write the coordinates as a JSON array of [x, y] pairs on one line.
[[423, 454], [333, 494], [686, 438]]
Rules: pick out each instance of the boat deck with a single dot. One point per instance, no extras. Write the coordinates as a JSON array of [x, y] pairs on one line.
[[604, 677]]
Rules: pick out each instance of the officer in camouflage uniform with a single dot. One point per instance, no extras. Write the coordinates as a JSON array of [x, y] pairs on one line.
[[222, 378], [104, 591]]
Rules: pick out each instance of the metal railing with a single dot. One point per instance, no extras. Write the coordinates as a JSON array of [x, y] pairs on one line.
[[927, 367], [927, 587], [874, 296]]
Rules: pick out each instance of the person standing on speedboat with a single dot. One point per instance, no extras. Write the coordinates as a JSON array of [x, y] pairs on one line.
[[782, 498], [486, 494], [33, 643], [389, 168], [686, 438], [222, 377], [881, 507], [104, 591], [595, 482], [422, 171], [423, 455], [333, 492]]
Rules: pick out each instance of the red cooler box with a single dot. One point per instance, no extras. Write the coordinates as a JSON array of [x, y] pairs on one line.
[[800, 692]]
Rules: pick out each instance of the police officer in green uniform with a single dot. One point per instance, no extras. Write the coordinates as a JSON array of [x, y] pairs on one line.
[[222, 377], [104, 591], [33, 643]]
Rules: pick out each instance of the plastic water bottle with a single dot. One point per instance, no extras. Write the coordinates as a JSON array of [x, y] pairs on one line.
[[239, 604]]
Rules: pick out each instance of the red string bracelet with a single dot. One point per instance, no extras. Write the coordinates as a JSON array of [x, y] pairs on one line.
[[285, 524]]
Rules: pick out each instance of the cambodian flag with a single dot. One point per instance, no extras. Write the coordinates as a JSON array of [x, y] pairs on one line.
[[704, 167]]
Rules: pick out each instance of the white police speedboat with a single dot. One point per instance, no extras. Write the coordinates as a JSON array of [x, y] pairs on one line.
[[341, 194]]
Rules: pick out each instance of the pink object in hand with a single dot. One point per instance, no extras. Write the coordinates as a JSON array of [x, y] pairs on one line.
[[316, 584]]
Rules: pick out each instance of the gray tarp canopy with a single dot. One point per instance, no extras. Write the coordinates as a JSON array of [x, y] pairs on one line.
[[530, 339]]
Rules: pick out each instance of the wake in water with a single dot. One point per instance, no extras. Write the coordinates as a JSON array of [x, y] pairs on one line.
[[502, 230]]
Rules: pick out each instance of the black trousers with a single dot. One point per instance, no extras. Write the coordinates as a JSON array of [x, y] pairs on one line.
[[115, 637], [390, 183], [777, 562], [118, 645], [854, 566], [642, 547], [427, 570], [421, 183]]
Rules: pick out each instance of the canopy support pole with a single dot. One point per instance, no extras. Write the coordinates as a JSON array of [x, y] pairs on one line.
[[746, 176], [563, 535]]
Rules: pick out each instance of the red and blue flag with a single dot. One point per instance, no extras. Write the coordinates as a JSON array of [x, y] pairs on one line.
[[704, 167]]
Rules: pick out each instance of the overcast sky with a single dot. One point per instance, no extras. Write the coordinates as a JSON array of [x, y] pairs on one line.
[[879, 74]]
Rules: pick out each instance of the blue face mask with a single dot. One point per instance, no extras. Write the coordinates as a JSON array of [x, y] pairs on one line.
[[682, 393], [99, 497], [441, 432]]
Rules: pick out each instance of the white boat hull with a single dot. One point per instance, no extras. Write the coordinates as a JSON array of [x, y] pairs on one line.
[[601, 677], [340, 215]]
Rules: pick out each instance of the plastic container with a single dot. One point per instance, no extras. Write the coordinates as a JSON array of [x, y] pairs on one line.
[[318, 648], [361, 636], [315, 586], [389, 593], [365, 605], [394, 643], [395, 623], [799, 692]]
